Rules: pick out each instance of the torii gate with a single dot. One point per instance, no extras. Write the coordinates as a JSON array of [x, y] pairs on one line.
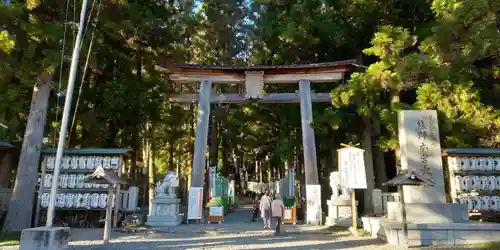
[[254, 78]]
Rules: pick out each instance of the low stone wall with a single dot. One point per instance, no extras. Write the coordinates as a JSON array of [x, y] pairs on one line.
[[423, 213], [373, 226], [432, 233], [440, 233], [42, 238]]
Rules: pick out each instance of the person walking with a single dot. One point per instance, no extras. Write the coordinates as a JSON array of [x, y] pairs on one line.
[[255, 211], [278, 209], [265, 209]]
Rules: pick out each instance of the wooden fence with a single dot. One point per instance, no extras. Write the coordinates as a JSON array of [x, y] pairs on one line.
[[5, 195], [386, 197], [380, 200]]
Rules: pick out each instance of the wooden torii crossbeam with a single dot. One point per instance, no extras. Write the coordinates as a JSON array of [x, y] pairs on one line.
[[236, 98], [254, 78], [278, 74]]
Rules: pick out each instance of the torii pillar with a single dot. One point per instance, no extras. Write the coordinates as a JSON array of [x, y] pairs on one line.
[[200, 143], [308, 139]]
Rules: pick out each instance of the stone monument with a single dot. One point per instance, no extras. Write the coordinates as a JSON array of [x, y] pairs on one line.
[[339, 205], [429, 219], [164, 210], [421, 152]]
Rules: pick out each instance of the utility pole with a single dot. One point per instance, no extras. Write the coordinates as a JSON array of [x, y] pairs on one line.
[[65, 117]]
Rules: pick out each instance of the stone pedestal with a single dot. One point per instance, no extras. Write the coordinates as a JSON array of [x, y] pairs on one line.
[[42, 238], [378, 207], [339, 213], [164, 212]]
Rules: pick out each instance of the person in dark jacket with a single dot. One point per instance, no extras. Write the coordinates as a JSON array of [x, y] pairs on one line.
[[255, 211]]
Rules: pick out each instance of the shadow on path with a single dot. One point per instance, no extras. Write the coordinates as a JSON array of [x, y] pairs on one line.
[[239, 242], [240, 215]]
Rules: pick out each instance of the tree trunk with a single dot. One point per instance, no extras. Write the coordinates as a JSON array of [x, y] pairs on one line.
[[139, 175], [178, 166], [212, 141], [132, 171], [269, 168], [171, 156], [145, 167], [90, 135], [224, 153], [300, 173], [190, 154], [151, 167], [192, 132], [379, 160], [284, 170], [257, 170], [212, 152], [143, 180], [72, 136], [111, 135], [259, 167], [21, 205], [366, 144], [5, 169]]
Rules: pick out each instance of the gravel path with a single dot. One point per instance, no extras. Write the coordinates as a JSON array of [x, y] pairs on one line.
[[236, 233], [240, 241], [262, 240]]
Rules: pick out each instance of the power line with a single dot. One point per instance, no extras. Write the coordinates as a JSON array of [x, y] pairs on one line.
[[88, 22], [84, 71], [65, 117], [63, 50]]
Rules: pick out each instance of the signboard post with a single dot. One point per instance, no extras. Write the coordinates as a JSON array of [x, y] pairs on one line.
[[212, 175], [231, 194], [195, 204], [216, 211], [352, 176], [313, 197]]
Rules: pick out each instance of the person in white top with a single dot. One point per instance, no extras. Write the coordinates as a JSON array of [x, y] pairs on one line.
[[265, 208], [278, 209]]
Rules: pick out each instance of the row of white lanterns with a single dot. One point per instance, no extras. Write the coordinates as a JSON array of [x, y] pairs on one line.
[[474, 163], [478, 183], [85, 162], [76, 200], [481, 203], [260, 187], [71, 181]]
